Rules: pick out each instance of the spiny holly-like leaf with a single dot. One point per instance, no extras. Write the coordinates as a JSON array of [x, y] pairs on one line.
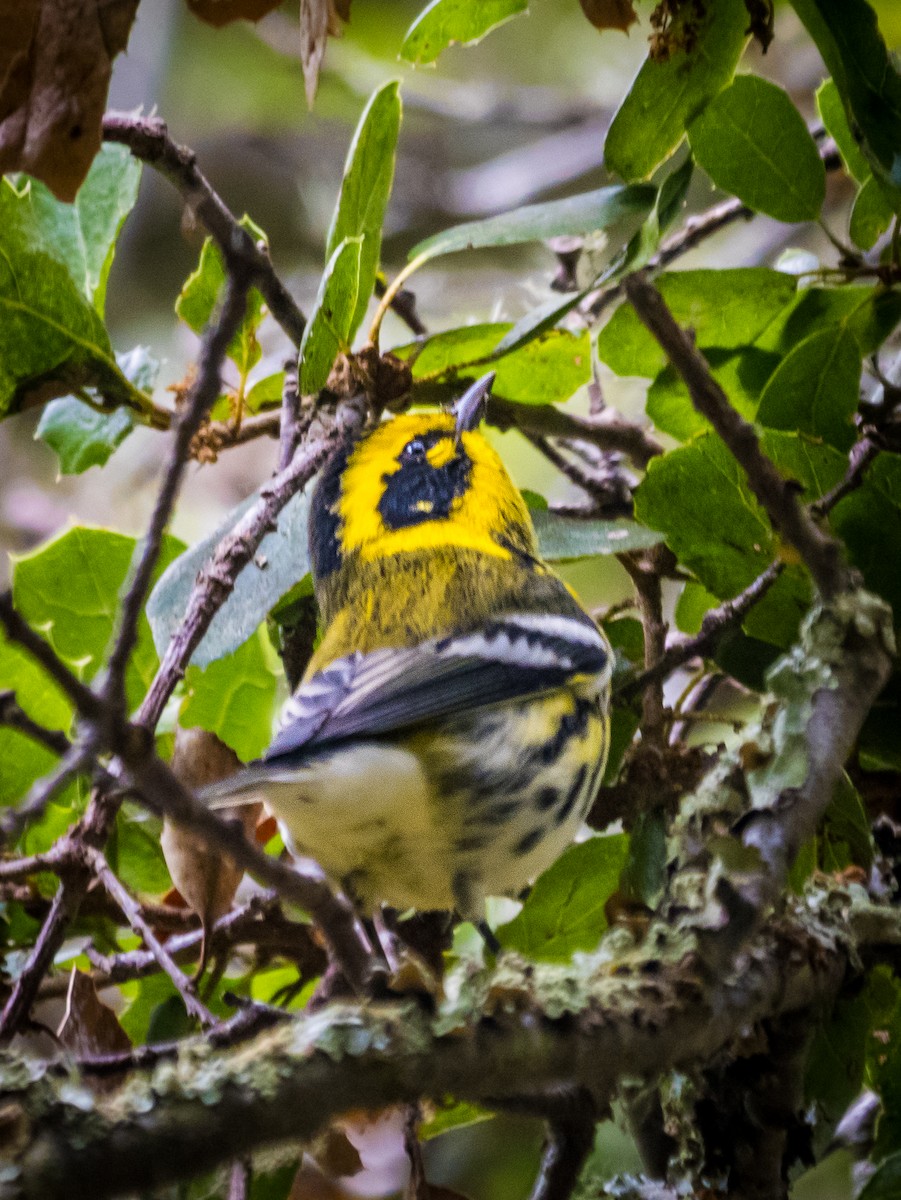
[[52, 340], [368, 175], [330, 327], [576, 215], [202, 291], [564, 911], [23, 760], [546, 370], [279, 564], [666, 95], [82, 236], [83, 436], [753, 142], [446, 23], [70, 589]]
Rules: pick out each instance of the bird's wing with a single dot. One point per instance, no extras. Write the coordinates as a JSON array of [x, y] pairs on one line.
[[371, 694]]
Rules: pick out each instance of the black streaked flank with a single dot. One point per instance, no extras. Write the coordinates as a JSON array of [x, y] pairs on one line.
[[572, 795], [547, 798], [572, 725], [420, 492], [530, 841]]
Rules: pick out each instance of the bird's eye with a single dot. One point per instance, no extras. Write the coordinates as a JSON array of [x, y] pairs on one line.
[[414, 450]]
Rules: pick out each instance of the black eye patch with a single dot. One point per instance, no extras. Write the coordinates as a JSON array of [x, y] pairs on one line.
[[420, 492]]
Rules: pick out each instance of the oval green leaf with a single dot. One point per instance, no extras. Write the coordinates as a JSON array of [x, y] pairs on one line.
[[368, 176], [330, 327], [444, 23], [576, 216], [752, 142], [666, 95]]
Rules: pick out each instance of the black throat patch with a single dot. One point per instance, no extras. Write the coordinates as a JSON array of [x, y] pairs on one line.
[[418, 491]]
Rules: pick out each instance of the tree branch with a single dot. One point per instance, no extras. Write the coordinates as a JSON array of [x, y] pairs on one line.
[[148, 139], [13, 717], [578, 1022], [821, 554], [607, 431], [135, 917], [201, 398]]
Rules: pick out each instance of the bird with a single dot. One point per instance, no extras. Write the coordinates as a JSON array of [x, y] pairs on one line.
[[451, 730]]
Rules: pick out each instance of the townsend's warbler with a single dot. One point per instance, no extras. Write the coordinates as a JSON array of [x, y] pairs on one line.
[[451, 730]]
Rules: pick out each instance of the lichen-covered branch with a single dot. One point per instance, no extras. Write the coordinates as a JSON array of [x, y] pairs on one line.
[[581, 1024]]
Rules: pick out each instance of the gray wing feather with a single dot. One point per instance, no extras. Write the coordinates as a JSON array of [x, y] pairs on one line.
[[394, 689]]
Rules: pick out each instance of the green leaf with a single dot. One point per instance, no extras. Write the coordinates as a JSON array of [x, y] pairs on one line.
[[82, 236], [83, 436], [546, 370], [728, 554], [70, 587], [446, 22], [563, 539], [816, 388], [742, 374], [871, 215], [330, 328], [135, 853], [368, 175], [265, 393], [234, 698], [833, 115], [642, 245], [885, 1183], [52, 341], [870, 313], [844, 837], [875, 506], [455, 1114], [847, 36], [575, 216], [281, 562], [727, 309], [564, 912], [753, 142], [667, 95], [202, 291], [22, 760]]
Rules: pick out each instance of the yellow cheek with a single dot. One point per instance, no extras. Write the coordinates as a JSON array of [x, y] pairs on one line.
[[441, 453]]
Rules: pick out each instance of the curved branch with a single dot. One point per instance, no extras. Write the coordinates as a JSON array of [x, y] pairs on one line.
[[579, 1023]]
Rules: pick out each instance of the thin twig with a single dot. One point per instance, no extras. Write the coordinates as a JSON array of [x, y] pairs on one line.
[[417, 1185], [609, 431], [148, 139], [645, 572], [200, 400], [132, 911], [217, 579], [76, 759], [13, 717], [404, 305], [821, 554], [18, 630]]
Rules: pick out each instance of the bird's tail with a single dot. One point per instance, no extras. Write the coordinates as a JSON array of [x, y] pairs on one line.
[[244, 787]]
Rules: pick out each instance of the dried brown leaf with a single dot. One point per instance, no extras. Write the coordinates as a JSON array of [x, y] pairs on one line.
[[319, 20], [610, 14], [89, 1027], [56, 57], [206, 878], [222, 12]]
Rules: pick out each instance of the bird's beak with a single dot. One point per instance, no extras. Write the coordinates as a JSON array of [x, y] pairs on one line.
[[469, 409]]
